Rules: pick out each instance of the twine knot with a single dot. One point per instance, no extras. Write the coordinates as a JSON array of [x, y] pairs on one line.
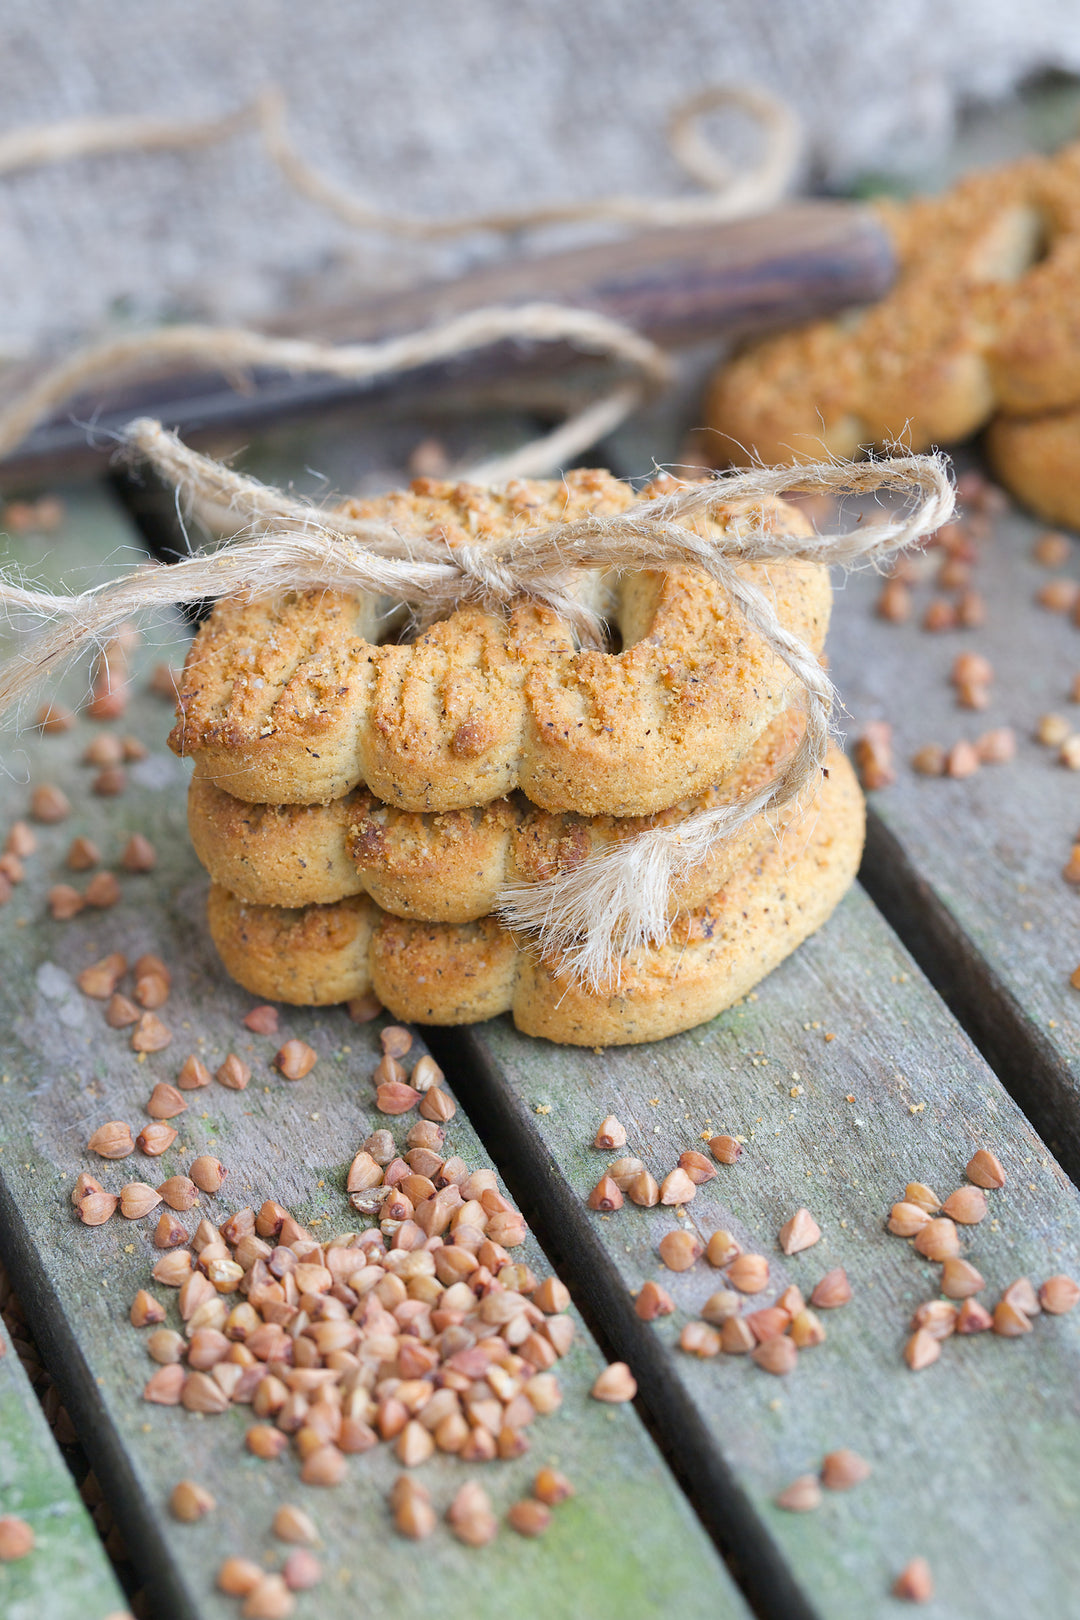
[[492, 578], [591, 916]]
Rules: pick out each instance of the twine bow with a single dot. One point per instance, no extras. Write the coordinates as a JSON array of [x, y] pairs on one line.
[[615, 901]]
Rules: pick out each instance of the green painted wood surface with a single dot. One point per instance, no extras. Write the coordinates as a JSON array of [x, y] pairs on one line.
[[976, 1459], [67, 1576], [627, 1545]]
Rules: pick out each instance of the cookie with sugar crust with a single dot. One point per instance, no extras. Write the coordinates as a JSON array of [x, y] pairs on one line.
[[982, 318], [295, 700], [447, 866], [442, 973]]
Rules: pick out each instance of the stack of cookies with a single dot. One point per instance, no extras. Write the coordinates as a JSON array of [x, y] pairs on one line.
[[360, 798], [979, 330]]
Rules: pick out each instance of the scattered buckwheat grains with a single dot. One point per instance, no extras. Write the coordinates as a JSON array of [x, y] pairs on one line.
[[422, 1332]]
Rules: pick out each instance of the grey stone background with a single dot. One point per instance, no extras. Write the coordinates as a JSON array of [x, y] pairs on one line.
[[433, 106]]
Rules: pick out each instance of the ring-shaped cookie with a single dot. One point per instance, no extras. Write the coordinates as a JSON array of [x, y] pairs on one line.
[[982, 317], [450, 866], [294, 701], [438, 973]]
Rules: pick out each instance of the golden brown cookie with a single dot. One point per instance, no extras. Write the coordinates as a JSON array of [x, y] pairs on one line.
[[446, 867], [290, 701], [1038, 459], [438, 973], [983, 316]]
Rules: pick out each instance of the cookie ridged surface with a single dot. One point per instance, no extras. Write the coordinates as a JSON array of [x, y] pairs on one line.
[[439, 973], [291, 701], [983, 317], [448, 866]]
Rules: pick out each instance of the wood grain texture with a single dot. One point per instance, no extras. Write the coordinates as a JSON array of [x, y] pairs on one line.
[[997, 1535], [67, 1576], [970, 870], [935, 1437], [677, 286], [626, 1542]]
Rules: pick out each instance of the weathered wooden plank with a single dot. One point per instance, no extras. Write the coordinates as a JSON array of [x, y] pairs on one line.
[[970, 870], [848, 1079], [627, 1543], [67, 1574], [742, 1505]]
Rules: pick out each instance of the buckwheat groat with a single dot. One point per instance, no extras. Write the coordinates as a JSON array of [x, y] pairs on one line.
[[437, 973], [446, 867], [982, 318], [291, 701]]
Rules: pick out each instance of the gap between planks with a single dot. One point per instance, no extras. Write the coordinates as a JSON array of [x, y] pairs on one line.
[[735, 1435], [628, 1538], [969, 872]]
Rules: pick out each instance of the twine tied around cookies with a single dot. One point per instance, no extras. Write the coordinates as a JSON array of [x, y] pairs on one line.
[[588, 917]]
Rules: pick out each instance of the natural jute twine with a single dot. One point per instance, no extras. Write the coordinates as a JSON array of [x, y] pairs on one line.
[[729, 195], [225, 348], [614, 902], [37, 144]]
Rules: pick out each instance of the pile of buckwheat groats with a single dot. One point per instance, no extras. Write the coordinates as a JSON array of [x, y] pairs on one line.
[[421, 1332]]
